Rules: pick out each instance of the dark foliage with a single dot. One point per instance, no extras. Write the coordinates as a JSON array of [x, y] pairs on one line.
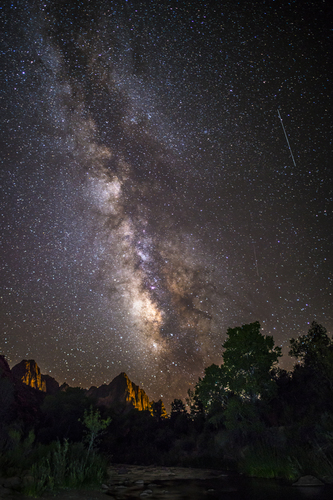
[[62, 413], [276, 423]]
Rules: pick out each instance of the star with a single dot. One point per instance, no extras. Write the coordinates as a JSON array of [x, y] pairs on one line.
[[149, 196]]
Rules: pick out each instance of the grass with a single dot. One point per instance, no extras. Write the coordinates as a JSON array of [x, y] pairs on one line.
[[17, 454], [268, 462], [66, 466]]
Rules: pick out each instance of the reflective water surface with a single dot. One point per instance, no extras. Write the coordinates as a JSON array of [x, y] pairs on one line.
[[236, 488]]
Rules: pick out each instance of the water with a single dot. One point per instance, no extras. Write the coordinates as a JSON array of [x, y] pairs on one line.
[[238, 488], [224, 487]]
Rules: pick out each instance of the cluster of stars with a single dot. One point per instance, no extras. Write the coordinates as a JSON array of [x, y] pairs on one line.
[[150, 200]]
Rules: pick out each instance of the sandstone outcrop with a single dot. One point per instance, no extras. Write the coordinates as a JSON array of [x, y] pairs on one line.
[[28, 372], [121, 394], [5, 371], [52, 386], [17, 400], [26, 386]]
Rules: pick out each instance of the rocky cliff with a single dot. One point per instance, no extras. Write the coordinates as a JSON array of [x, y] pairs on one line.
[[5, 371], [29, 373], [121, 394], [18, 401]]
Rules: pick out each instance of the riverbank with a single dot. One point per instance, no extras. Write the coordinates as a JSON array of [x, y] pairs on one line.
[[131, 481], [126, 482]]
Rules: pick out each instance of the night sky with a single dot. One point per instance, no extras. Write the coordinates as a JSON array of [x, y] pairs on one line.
[[149, 199]]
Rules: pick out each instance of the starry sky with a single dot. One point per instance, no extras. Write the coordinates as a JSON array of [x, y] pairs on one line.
[[149, 197]]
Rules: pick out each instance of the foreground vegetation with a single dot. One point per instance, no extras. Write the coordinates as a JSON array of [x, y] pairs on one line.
[[57, 465], [246, 414]]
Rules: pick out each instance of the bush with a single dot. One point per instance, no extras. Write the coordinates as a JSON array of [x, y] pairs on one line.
[[18, 454], [262, 460], [66, 466]]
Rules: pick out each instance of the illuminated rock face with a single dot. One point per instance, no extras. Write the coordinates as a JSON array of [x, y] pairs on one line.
[[20, 401], [121, 394], [134, 394], [29, 373]]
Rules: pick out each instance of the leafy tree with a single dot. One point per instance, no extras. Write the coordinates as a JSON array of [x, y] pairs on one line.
[[243, 417], [61, 414], [314, 348], [158, 410], [212, 389], [248, 359], [94, 426], [196, 409], [179, 418], [315, 352], [246, 373], [177, 408]]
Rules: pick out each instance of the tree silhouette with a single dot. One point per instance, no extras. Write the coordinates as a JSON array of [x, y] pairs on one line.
[[312, 348], [158, 410], [248, 360]]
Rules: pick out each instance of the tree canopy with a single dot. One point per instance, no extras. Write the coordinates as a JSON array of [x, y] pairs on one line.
[[312, 347], [315, 351], [212, 389], [248, 359]]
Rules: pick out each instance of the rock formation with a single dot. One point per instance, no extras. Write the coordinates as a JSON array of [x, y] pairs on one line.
[[121, 394], [18, 401], [27, 382], [52, 386], [4, 369], [29, 373]]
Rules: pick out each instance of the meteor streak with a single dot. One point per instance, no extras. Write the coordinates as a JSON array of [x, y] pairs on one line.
[[285, 133]]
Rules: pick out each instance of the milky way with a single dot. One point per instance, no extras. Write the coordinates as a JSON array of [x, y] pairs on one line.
[[149, 196]]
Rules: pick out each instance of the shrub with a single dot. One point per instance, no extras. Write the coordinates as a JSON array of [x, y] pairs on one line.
[[19, 450], [66, 466], [262, 460]]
